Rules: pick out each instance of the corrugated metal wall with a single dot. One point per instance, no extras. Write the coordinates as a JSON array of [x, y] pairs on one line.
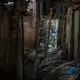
[[8, 46], [5, 55]]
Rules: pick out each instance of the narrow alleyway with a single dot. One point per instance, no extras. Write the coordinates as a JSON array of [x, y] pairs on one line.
[[39, 39]]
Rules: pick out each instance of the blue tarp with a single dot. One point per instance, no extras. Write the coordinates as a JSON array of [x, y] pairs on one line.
[[70, 70], [64, 72]]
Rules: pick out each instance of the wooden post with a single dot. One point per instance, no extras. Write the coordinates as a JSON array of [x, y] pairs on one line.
[[20, 38]]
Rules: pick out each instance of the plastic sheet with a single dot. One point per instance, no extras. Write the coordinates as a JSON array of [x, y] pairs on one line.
[[71, 71]]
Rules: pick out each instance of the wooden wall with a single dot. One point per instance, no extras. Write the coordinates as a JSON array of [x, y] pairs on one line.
[[69, 30], [29, 28]]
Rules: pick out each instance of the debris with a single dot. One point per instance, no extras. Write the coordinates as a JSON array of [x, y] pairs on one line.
[[66, 71], [30, 54]]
